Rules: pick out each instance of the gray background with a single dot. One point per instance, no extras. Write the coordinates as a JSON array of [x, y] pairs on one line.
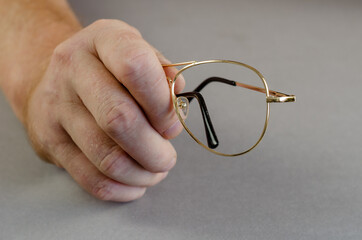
[[303, 182]]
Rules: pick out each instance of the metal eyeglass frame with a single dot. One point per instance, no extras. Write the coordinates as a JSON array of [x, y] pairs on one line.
[[181, 100]]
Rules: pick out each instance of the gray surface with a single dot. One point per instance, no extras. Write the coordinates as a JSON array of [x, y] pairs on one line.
[[303, 182]]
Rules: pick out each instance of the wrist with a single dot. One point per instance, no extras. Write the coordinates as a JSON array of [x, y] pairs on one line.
[[27, 45]]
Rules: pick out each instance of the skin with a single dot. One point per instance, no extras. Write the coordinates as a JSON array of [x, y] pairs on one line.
[[94, 101]]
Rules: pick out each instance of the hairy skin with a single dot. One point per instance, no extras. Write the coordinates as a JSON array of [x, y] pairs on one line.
[[30, 32], [94, 100]]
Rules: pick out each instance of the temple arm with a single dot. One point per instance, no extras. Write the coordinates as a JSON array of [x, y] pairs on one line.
[[212, 139], [274, 96]]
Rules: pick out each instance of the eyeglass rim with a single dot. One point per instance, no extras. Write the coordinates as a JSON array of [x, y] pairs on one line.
[[190, 64]]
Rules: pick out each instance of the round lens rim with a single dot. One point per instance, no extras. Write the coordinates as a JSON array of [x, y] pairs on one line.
[[174, 101]]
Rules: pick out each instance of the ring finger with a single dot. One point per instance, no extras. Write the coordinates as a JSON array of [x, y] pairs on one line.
[[102, 151]]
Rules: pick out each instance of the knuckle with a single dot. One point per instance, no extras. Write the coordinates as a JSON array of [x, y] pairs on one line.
[[136, 63], [106, 23], [42, 153], [44, 146], [116, 29], [63, 54], [131, 32], [102, 190], [128, 36], [119, 119], [114, 163], [102, 22], [124, 29]]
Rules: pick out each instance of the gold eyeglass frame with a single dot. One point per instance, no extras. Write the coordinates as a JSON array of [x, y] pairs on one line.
[[271, 97]]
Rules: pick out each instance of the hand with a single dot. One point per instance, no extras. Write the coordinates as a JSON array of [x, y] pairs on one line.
[[103, 111]]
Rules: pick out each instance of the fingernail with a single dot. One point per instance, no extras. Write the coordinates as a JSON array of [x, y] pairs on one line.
[[173, 131]]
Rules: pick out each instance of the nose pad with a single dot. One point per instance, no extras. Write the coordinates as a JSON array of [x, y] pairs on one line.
[[183, 106]]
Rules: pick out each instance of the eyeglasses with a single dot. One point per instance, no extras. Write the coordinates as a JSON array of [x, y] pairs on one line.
[[230, 113]]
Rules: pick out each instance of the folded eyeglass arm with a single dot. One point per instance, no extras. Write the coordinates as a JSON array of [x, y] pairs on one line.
[[211, 137]]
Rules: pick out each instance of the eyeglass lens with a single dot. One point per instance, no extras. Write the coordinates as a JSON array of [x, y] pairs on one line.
[[221, 114]]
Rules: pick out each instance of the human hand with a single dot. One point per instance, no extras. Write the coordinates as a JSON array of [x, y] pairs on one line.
[[103, 111]]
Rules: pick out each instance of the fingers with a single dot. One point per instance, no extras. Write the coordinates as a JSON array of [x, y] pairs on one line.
[[103, 152], [93, 181], [171, 71], [120, 117], [106, 93], [135, 64]]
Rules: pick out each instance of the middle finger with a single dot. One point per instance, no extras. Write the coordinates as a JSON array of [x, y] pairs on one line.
[[120, 117]]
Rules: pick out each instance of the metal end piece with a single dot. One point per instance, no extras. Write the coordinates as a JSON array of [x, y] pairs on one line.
[[274, 99]]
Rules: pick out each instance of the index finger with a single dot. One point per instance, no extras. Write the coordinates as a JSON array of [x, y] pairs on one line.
[[136, 65]]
